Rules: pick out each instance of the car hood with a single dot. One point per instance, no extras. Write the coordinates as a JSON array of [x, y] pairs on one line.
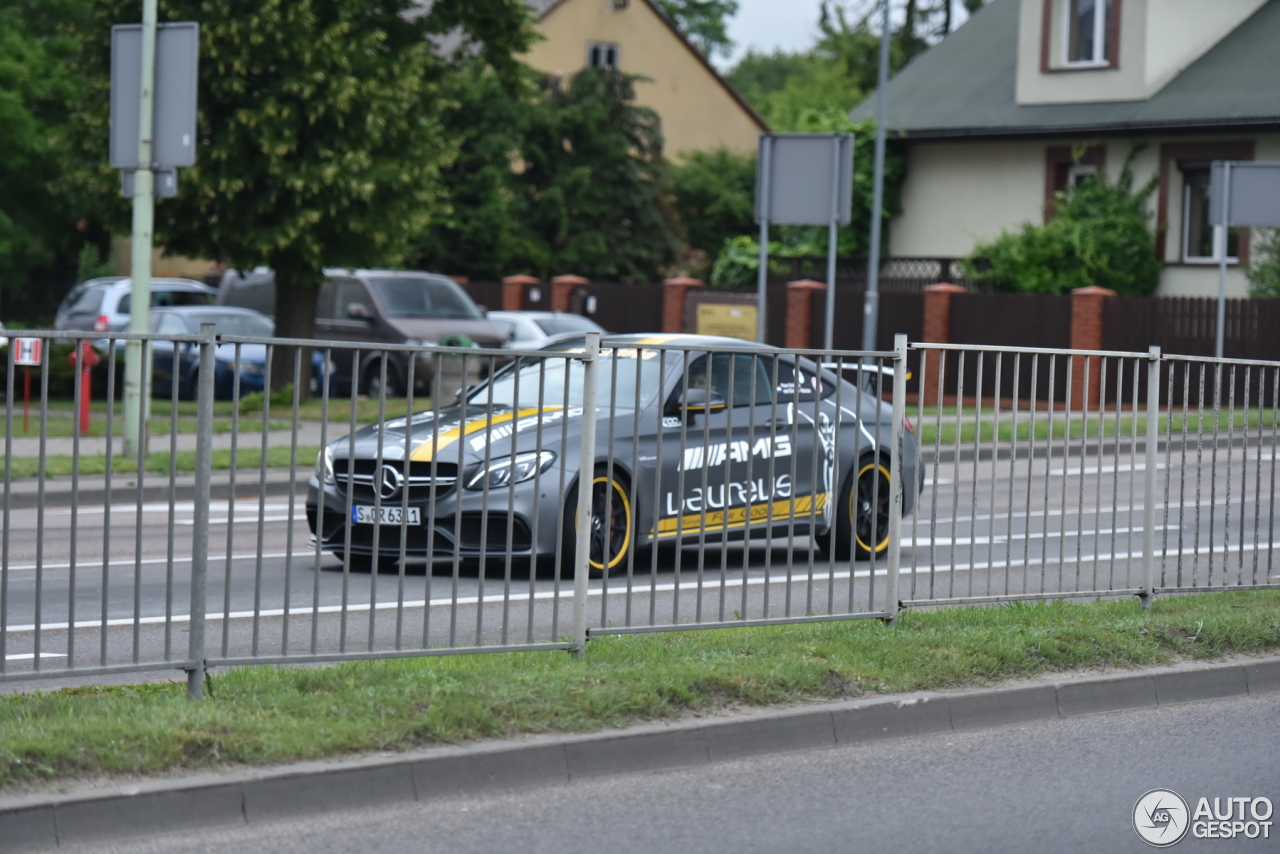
[[473, 433], [430, 330]]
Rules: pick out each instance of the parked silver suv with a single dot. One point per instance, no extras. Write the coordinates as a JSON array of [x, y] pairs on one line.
[[102, 305]]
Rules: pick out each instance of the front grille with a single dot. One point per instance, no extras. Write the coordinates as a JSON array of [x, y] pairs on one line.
[[442, 541], [361, 481]]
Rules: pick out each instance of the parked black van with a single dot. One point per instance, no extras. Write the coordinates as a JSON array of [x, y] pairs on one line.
[[368, 307]]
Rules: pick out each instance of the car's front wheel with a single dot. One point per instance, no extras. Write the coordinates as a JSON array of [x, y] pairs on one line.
[[612, 526]]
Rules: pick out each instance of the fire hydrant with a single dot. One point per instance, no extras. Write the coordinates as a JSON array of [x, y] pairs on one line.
[[88, 359]]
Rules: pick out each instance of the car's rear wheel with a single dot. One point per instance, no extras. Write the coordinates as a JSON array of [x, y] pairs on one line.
[[861, 514], [612, 526]]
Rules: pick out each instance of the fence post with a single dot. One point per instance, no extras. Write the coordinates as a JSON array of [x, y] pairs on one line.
[[799, 323], [200, 528], [1149, 481], [895, 469], [586, 474]]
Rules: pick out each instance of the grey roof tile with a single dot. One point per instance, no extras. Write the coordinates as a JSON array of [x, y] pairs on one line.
[[965, 86]]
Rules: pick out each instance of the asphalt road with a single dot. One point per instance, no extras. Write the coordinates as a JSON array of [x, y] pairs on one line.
[[1055, 786], [986, 528]]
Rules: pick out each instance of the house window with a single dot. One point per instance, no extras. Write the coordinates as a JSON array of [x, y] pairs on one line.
[[602, 55], [1078, 173], [1198, 239], [1088, 28]]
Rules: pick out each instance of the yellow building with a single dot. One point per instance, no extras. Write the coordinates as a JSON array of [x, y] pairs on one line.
[[698, 107]]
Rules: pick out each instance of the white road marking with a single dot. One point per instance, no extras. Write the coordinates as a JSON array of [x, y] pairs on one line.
[[89, 563], [28, 656], [179, 507], [618, 588], [1105, 469], [1034, 535]]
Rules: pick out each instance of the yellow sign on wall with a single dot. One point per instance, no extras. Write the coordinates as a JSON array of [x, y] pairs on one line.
[[731, 321]]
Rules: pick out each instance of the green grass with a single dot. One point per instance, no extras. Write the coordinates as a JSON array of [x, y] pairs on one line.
[[63, 426], [270, 714], [59, 465], [161, 408], [987, 425]]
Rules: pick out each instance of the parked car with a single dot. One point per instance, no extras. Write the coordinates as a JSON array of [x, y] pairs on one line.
[[102, 305], [532, 330], [185, 358], [372, 307], [733, 454]]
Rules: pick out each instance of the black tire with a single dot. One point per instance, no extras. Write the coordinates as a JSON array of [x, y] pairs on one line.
[[373, 380], [853, 518], [620, 533]]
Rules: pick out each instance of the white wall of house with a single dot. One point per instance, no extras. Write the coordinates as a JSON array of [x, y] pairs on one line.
[[959, 193]]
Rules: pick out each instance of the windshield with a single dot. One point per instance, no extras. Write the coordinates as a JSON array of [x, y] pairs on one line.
[[415, 296], [245, 325], [567, 323], [631, 373]]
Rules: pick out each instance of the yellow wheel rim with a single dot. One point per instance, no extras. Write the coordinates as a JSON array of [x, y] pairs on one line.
[[621, 501]]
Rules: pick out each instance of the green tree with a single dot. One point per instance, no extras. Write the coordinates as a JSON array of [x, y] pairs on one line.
[[321, 133], [714, 197], [36, 225], [704, 22], [595, 182], [1100, 235], [1263, 272]]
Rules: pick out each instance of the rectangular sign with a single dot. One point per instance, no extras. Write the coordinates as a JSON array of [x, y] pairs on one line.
[[27, 351], [796, 174], [1254, 196], [174, 113], [731, 321]]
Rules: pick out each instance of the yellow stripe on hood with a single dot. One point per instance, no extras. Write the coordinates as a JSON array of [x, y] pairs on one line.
[[423, 453]]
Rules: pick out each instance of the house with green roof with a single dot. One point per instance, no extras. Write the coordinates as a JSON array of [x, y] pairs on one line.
[[1031, 96]]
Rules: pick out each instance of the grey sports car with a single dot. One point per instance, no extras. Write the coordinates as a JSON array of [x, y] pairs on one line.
[[692, 443]]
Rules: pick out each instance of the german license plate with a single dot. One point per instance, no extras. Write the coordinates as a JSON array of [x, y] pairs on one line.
[[363, 515]]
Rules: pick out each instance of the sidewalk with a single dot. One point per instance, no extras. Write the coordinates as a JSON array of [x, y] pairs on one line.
[[58, 491], [248, 437], [82, 813]]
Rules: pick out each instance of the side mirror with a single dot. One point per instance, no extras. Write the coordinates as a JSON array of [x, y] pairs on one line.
[[359, 311], [701, 400]]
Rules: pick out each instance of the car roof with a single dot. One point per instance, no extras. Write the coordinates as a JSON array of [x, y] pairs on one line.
[[178, 284], [682, 339], [209, 309], [534, 315]]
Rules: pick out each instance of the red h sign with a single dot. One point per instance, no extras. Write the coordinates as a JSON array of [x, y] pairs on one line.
[[26, 351]]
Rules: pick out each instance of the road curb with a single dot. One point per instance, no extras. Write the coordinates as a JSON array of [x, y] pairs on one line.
[[45, 822], [155, 490]]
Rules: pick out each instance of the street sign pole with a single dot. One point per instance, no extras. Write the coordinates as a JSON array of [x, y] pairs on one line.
[[136, 400], [871, 310], [1221, 238], [762, 277], [828, 328]]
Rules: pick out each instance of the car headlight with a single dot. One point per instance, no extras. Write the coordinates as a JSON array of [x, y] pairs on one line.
[[505, 471], [324, 465]]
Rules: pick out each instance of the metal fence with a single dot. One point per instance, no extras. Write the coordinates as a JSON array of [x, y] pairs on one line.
[[728, 486]]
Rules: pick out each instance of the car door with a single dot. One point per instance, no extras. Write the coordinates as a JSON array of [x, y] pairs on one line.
[[164, 354], [718, 466], [335, 323], [808, 417]]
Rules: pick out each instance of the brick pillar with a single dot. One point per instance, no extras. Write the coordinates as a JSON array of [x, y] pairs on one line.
[[800, 312], [562, 287], [673, 294], [937, 330], [513, 291], [1086, 334]]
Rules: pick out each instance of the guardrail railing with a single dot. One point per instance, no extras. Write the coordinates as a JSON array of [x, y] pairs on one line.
[[404, 500]]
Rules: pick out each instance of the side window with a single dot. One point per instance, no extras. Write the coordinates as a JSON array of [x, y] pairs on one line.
[[324, 300], [797, 384], [346, 292], [713, 373], [86, 301]]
